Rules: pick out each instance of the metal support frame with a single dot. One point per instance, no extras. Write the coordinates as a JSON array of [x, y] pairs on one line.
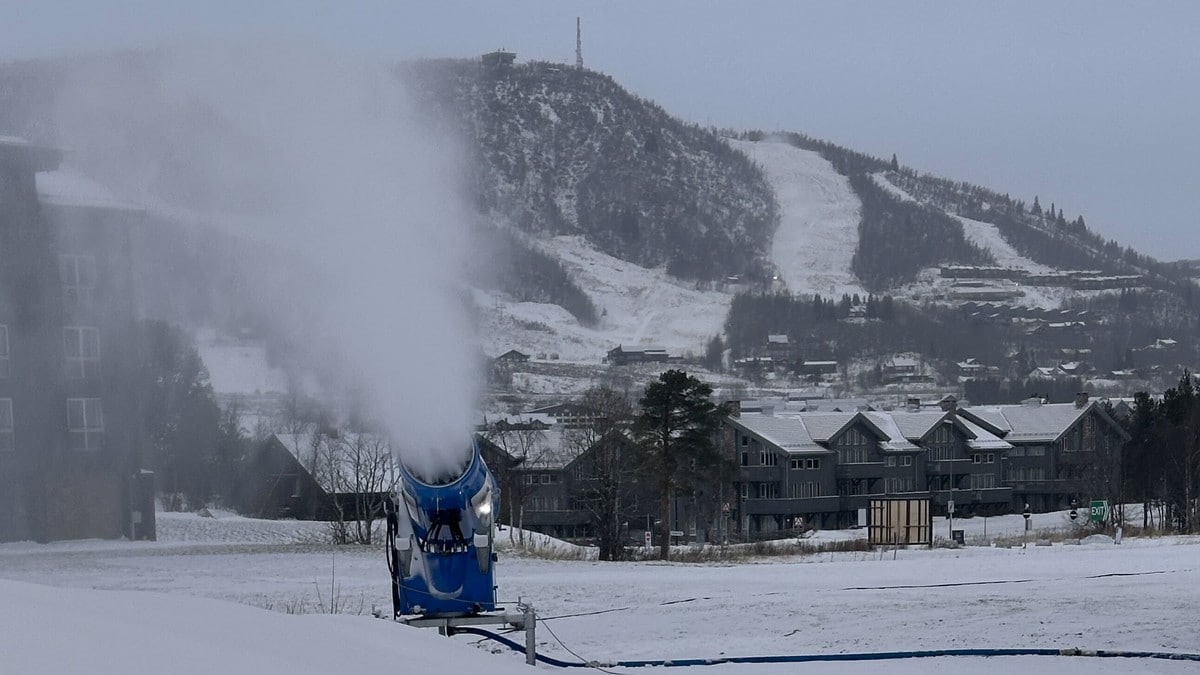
[[526, 619]]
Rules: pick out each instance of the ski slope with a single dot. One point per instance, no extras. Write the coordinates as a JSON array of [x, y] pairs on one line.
[[638, 306], [819, 214]]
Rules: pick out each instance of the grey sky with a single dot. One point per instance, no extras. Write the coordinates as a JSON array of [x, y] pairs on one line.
[[1091, 105]]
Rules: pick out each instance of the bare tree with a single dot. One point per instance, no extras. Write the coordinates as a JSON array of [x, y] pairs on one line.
[[525, 443], [602, 475], [357, 473]]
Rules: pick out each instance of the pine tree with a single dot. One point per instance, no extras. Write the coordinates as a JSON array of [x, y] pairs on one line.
[[895, 164], [1037, 208], [676, 435]]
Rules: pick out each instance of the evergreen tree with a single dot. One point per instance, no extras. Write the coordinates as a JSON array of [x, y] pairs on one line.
[[1037, 208], [895, 165], [676, 434]]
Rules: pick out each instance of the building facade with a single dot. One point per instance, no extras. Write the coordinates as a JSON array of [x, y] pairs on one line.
[[71, 437], [821, 469]]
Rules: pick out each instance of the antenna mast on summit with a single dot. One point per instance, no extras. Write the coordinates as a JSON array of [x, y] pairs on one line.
[[578, 44]]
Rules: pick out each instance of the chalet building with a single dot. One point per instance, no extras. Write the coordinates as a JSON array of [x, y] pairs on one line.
[[622, 355], [71, 432], [821, 468], [549, 476], [1059, 451], [779, 348], [568, 415], [512, 356], [319, 476]]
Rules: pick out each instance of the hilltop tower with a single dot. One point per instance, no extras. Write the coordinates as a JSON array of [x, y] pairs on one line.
[[578, 44]]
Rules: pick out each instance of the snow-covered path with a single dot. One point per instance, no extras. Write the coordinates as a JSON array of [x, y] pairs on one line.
[[819, 214]]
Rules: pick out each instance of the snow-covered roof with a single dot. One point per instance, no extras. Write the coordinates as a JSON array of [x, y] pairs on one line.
[[346, 464], [893, 438], [1029, 422], [787, 433], [64, 188]]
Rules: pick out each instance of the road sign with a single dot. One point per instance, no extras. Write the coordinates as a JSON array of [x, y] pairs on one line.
[[1099, 508], [1074, 514], [725, 508], [950, 506], [647, 538]]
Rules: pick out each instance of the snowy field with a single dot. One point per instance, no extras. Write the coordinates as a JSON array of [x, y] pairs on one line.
[[91, 612], [818, 220]]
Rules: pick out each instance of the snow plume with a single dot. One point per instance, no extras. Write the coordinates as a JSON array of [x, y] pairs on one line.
[[318, 156]]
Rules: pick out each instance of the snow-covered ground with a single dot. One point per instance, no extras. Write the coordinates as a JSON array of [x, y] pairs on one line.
[[240, 367], [819, 214], [92, 613], [639, 306]]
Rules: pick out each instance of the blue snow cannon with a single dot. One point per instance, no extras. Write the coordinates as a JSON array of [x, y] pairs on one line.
[[440, 531]]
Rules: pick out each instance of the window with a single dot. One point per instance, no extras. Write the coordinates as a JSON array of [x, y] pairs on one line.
[[768, 458], [745, 441], [745, 459], [744, 490], [1017, 451], [78, 274], [812, 463], [977, 458], [768, 490], [906, 460], [982, 481], [891, 460], [85, 423], [1036, 451], [894, 485], [6, 425], [531, 479], [804, 490], [989, 458], [81, 347], [5, 364], [855, 455], [796, 463]]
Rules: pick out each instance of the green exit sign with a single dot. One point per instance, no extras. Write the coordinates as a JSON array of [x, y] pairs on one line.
[[1099, 510]]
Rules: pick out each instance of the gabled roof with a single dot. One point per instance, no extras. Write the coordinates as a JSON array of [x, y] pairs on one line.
[[917, 425], [1045, 422], [789, 434], [538, 449], [342, 465], [825, 426]]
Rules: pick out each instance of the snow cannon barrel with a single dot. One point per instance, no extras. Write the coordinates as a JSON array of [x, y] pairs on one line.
[[441, 527]]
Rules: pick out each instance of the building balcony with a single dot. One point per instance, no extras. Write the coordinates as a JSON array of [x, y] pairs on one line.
[[761, 474], [773, 507], [1043, 487], [860, 470], [948, 467], [968, 497]]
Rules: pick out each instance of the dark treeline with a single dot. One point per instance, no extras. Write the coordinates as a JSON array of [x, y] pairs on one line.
[[1162, 457], [517, 267], [898, 238]]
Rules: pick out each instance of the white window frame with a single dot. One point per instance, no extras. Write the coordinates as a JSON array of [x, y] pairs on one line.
[[78, 276], [85, 422], [78, 341]]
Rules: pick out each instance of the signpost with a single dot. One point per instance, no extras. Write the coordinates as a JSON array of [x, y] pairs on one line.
[[647, 541], [1099, 509], [1028, 524]]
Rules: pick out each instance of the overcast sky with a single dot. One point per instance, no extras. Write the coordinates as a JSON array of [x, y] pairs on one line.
[[1092, 105]]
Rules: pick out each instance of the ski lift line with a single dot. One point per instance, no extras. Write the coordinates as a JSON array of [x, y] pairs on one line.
[[857, 656]]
